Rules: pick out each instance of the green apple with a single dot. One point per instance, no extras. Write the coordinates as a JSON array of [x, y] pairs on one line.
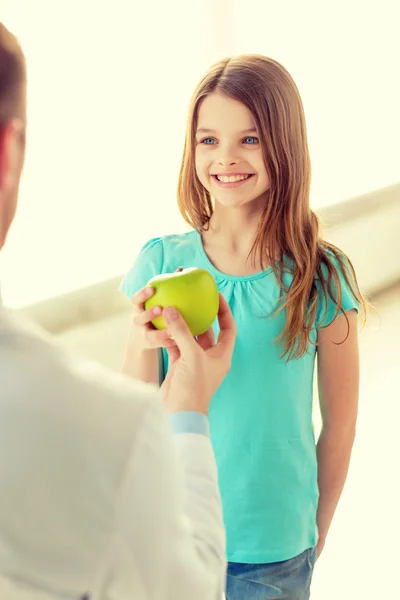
[[192, 291]]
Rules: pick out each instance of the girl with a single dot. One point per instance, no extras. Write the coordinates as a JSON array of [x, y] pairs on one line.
[[244, 189]]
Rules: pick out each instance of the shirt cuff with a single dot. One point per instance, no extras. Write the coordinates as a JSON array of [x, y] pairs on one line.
[[190, 422]]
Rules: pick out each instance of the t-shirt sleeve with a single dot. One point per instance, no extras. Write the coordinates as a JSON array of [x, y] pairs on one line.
[[148, 264], [327, 306]]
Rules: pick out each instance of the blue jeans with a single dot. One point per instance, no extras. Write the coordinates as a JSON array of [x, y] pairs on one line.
[[289, 579]]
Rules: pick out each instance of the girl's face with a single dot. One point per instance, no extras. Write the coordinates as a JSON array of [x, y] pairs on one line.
[[229, 161]]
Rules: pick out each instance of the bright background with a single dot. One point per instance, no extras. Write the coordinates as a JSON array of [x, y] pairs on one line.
[[109, 85]]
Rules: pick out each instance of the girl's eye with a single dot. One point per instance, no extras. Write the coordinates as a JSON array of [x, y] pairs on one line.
[[250, 140], [208, 141]]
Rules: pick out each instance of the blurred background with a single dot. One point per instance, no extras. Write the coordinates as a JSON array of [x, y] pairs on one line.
[[109, 86]]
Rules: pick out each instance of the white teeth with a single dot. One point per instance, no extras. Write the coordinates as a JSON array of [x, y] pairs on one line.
[[231, 178]]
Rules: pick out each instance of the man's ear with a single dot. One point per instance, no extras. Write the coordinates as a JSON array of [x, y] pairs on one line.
[[11, 152]]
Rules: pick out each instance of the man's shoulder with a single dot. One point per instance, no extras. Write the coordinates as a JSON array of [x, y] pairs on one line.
[[70, 431]]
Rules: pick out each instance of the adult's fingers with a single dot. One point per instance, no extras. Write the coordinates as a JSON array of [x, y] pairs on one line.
[[180, 333], [173, 354], [206, 340]]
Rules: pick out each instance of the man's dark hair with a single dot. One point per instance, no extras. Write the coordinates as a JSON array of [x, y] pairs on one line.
[[12, 78]]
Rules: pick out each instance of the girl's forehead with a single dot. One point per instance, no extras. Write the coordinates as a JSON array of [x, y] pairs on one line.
[[220, 112]]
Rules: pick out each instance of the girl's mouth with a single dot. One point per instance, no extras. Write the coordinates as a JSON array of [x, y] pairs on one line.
[[232, 180]]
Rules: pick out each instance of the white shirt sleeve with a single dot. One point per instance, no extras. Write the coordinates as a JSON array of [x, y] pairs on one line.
[[169, 539]]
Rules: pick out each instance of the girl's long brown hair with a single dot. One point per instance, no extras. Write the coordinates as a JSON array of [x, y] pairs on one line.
[[287, 223]]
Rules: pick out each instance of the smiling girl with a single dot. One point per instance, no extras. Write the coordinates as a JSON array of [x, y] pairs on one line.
[[244, 188]]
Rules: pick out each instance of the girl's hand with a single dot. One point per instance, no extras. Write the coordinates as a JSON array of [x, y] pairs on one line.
[[142, 328]]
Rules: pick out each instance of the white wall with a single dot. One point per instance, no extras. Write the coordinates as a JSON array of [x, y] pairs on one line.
[[344, 57], [109, 85]]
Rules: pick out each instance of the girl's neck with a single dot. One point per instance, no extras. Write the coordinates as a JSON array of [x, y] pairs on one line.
[[233, 229], [229, 240]]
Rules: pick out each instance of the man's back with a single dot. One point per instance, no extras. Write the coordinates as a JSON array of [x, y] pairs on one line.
[[89, 502]]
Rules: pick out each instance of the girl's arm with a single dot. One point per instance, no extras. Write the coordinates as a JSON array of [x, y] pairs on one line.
[[141, 363], [338, 382], [143, 355]]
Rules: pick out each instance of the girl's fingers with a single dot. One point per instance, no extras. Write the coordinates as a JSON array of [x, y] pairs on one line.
[[146, 316], [141, 296], [159, 338]]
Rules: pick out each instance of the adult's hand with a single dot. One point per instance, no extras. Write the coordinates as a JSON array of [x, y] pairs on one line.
[[197, 366]]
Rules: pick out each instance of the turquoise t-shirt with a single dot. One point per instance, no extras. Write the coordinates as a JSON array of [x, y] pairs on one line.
[[261, 417]]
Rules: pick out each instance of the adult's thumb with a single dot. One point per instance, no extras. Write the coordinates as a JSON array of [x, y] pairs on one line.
[[180, 332]]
